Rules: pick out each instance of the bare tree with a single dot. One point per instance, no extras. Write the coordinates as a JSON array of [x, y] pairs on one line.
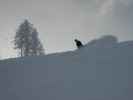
[[27, 41]]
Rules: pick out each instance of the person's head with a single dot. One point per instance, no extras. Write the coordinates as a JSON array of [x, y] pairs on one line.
[[76, 40]]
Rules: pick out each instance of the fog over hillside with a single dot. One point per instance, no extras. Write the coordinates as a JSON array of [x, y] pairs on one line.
[[101, 70]]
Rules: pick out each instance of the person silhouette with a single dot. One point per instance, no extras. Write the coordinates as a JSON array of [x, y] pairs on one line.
[[78, 43]]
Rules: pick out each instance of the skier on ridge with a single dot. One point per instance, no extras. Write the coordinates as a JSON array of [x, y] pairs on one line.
[[78, 43]]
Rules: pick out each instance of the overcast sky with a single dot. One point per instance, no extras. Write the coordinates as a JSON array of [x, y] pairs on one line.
[[60, 21]]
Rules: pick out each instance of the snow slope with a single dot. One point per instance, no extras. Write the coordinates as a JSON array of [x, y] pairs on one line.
[[94, 72]]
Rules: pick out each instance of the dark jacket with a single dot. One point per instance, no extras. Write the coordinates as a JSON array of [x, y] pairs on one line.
[[78, 43]]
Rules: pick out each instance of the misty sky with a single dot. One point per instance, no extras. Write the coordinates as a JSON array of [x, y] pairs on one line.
[[60, 21]]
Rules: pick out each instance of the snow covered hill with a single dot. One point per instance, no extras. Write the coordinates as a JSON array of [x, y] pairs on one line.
[[98, 71]]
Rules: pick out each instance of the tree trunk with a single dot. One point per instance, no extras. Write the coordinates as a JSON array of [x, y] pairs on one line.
[[21, 52]]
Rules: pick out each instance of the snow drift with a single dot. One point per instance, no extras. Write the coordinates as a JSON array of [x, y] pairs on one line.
[[98, 71]]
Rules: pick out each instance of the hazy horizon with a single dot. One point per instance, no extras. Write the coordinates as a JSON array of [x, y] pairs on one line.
[[59, 22]]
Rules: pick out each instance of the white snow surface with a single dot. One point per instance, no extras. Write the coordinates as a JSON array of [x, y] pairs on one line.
[[94, 72]]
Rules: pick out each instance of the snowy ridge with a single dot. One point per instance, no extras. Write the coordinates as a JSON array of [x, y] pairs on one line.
[[95, 72]]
